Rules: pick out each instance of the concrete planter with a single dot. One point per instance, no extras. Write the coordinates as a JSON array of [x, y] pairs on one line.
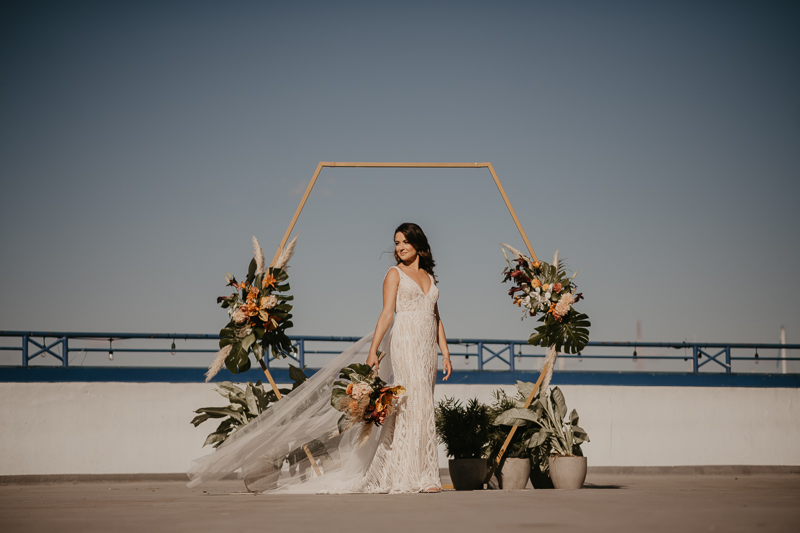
[[261, 476], [513, 474], [567, 472], [467, 474]]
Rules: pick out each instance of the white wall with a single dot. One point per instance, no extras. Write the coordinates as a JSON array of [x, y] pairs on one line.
[[112, 428]]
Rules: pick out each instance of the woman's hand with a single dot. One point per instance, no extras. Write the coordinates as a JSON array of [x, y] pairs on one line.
[[372, 360], [447, 368]]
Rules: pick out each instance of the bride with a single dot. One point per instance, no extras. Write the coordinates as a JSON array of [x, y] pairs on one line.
[[400, 456]]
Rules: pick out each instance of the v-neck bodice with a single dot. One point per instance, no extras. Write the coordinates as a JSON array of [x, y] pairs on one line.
[[411, 298]]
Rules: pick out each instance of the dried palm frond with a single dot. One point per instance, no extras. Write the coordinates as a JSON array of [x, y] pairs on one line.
[[258, 253], [286, 254], [219, 362]]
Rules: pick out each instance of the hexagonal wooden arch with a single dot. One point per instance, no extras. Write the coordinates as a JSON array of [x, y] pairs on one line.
[[323, 164]]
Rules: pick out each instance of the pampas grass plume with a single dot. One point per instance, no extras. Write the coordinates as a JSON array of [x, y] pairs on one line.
[[219, 361], [258, 253], [549, 363], [286, 254]]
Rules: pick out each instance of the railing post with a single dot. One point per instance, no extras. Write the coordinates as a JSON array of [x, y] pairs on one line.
[[511, 356], [695, 354], [65, 351], [480, 356], [301, 353], [24, 350], [728, 359]]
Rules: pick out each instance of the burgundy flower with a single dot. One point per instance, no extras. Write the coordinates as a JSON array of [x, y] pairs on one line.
[[513, 290]]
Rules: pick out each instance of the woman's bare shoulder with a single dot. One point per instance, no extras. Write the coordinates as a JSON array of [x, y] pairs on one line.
[[392, 276]]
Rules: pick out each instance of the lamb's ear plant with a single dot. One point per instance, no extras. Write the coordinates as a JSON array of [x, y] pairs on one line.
[[547, 431], [463, 429], [245, 405]]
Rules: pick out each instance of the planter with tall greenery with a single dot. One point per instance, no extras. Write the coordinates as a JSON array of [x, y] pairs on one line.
[[464, 431], [547, 434], [514, 469]]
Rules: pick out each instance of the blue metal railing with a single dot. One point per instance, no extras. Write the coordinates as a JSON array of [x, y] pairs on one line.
[[59, 345]]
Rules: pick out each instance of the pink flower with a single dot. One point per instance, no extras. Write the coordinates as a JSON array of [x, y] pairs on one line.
[[361, 390]]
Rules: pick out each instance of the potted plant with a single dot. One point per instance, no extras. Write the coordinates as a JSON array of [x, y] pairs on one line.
[[464, 431], [548, 434], [245, 405], [514, 469]]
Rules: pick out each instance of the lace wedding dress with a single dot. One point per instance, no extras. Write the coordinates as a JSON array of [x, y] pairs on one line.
[[400, 456], [407, 458]]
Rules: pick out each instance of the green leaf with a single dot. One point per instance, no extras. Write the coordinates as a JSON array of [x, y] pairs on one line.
[[251, 271], [538, 438], [219, 412], [248, 341], [296, 375], [252, 401], [525, 388], [580, 433], [215, 437], [258, 351], [559, 403], [573, 418], [516, 417], [199, 419]]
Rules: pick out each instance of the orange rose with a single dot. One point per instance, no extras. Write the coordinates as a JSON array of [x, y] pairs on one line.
[[536, 283], [545, 287]]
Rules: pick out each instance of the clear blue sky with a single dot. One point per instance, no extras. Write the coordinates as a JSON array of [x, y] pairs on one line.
[[656, 144]]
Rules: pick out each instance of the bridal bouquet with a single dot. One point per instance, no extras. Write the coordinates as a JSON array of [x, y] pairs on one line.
[[545, 289], [259, 314], [364, 398]]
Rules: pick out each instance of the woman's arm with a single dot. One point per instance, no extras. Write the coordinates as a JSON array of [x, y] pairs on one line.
[[390, 283], [447, 367]]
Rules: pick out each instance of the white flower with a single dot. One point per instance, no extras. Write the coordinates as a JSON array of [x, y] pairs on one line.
[[268, 302], [239, 316], [361, 390], [563, 305]]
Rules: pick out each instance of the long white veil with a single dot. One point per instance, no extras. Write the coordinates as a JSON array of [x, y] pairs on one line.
[[302, 423]]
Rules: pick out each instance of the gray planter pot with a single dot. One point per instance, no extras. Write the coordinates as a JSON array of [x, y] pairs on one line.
[[467, 474], [261, 476], [513, 474], [567, 472]]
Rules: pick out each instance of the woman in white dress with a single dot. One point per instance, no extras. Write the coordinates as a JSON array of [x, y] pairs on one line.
[[401, 455], [407, 459]]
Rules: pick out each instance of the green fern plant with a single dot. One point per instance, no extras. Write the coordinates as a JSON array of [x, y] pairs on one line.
[[463, 429]]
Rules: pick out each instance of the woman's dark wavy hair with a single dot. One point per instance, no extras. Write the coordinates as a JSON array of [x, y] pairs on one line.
[[416, 238]]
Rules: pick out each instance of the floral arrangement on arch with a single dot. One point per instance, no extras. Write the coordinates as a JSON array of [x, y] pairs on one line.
[[364, 398], [259, 314], [546, 290]]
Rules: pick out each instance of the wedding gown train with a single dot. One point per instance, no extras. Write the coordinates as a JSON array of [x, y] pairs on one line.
[[400, 456]]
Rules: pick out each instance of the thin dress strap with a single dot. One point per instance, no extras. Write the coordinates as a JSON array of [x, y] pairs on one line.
[[390, 268]]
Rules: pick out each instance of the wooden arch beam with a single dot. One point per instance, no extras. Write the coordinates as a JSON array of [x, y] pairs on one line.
[[332, 164]]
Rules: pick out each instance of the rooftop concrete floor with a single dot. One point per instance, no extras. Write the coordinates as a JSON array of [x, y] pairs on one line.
[[608, 502]]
